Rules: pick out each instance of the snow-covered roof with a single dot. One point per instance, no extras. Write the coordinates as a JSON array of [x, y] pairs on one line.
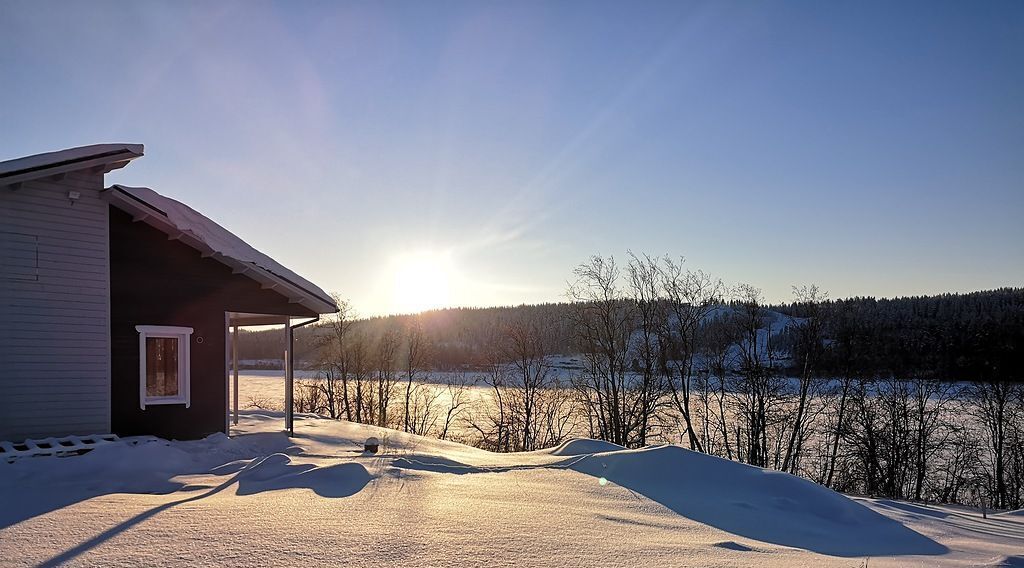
[[109, 156], [193, 228]]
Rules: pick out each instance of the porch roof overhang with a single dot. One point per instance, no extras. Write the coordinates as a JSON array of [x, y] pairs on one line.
[[101, 157], [244, 319], [184, 224]]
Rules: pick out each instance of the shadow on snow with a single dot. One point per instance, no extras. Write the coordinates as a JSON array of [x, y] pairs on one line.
[[271, 473]]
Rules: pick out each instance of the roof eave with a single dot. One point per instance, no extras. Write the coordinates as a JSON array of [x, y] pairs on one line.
[[101, 162], [144, 212]]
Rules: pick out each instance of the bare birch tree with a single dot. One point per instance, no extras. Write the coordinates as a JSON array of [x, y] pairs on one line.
[[415, 357]]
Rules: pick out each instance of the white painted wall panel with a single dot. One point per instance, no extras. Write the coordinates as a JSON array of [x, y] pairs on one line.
[[54, 309]]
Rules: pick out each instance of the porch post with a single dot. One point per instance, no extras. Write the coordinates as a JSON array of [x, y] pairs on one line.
[[234, 365], [289, 376]]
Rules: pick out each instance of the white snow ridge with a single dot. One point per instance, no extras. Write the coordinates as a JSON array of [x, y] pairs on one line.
[[261, 499]]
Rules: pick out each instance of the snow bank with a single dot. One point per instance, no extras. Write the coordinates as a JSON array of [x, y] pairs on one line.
[[277, 471], [257, 462], [756, 503], [260, 495], [580, 446], [1007, 562], [145, 467], [33, 486], [759, 504]]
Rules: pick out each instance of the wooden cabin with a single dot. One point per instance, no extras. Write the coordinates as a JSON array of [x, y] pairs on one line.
[[117, 304]]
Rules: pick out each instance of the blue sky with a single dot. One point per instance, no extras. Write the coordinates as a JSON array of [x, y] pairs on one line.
[[471, 153]]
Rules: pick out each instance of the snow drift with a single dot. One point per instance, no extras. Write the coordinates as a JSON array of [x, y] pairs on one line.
[[276, 472], [760, 504], [275, 500], [580, 446], [752, 502]]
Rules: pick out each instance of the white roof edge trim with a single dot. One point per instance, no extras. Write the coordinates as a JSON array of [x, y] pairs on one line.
[[176, 329], [199, 232], [72, 159]]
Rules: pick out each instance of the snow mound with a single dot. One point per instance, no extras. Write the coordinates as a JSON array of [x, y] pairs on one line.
[[581, 446], [756, 503], [146, 467], [276, 472], [436, 464], [274, 465], [1007, 562]]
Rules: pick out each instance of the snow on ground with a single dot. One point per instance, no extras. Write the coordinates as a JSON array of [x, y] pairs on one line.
[[263, 386], [261, 498]]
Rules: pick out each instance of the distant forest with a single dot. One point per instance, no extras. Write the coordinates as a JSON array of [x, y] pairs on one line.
[[955, 337]]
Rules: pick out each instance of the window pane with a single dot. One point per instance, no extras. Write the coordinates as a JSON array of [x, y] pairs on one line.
[[161, 366]]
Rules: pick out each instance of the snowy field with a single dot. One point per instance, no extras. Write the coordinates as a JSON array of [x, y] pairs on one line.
[[261, 499], [267, 385]]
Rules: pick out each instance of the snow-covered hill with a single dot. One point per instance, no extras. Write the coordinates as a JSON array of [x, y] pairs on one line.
[[261, 498]]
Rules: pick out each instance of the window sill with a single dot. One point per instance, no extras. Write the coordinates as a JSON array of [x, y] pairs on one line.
[[166, 400]]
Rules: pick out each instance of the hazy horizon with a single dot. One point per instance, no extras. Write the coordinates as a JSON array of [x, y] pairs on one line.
[[413, 156]]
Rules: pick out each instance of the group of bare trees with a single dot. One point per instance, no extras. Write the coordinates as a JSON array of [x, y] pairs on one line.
[[670, 354], [617, 400], [673, 355], [665, 351], [922, 439], [385, 379], [377, 378], [529, 407]]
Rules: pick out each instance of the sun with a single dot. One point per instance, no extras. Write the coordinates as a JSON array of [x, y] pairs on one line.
[[422, 282]]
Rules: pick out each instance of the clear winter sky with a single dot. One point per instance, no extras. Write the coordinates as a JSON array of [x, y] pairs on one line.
[[471, 153]]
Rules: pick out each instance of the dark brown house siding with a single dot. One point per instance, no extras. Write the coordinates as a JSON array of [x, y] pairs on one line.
[[156, 281]]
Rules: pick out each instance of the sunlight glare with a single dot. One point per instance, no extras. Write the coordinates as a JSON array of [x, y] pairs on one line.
[[422, 282]]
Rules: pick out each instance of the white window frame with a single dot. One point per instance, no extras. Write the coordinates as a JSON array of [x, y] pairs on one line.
[[184, 337]]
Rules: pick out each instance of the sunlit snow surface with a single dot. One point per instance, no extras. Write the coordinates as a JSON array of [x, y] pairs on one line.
[[262, 499]]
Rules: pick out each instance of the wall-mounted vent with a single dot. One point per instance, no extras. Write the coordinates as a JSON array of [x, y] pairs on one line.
[[19, 256]]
